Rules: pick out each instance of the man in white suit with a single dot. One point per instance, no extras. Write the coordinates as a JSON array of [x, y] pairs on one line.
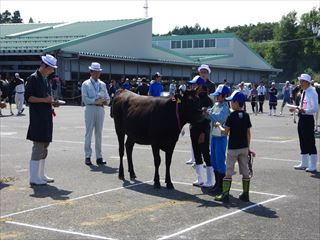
[[95, 96]]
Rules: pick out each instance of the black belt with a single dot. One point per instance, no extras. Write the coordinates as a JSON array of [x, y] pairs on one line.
[[98, 105], [19, 92]]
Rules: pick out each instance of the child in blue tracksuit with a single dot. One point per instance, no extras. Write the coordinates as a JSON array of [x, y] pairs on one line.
[[219, 113]]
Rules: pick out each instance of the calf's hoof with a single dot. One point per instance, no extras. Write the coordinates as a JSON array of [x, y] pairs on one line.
[[133, 177], [170, 186], [156, 185], [121, 177]]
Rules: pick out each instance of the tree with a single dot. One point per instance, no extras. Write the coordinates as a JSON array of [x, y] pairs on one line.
[[288, 50], [31, 20], [6, 17], [16, 18]]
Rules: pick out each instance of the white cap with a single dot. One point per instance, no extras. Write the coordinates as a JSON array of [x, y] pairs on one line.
[[305, 77], [204, 66], [17, 75], [95, 67], [157, 74], [49, 60]]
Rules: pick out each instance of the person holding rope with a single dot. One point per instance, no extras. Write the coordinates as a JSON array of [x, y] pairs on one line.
[[200, 136], [307, 108], [204, 72], [95, 96]]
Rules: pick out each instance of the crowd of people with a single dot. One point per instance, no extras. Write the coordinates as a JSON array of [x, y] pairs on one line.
[[220, 140]]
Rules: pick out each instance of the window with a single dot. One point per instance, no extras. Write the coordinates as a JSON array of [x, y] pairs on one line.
[[198, 43], [175, 44], [210, 43], [186, 43]]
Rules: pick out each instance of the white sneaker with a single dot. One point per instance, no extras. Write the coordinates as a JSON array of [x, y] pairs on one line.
[[190, 161]]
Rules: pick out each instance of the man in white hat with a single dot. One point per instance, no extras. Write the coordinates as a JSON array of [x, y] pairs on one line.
[[307, 107], [38, 95], [95, 96], [205, 71], [19, 95]]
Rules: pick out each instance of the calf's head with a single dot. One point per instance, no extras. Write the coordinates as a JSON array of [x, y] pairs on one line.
[[189, 107]]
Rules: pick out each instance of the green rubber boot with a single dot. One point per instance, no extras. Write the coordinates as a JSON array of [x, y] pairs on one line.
[[224, 196], [246, 186]]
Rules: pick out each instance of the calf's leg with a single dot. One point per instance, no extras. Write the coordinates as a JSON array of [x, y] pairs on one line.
[[129, 149], [168, 164], [157, 161], [120, 136]]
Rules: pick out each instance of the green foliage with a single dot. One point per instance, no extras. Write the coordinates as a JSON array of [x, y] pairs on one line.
[[290, 44], [7, 17]]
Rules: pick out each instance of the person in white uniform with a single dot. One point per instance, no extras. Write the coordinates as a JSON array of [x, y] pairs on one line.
[[19, 96], [95, 96]]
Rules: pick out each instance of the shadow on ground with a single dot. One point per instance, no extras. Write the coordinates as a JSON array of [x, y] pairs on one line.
[[50, 191]]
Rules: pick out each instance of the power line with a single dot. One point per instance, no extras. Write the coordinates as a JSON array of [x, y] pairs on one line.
[[284, 41]]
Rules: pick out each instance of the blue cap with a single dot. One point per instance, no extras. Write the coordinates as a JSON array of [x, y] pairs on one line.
[[197, 80], [221, 89], [237, 96]]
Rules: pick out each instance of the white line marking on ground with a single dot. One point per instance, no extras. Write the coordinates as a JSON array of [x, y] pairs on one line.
[[74, 199], [272, 141], [220, 217], [7, 133], [279, 159], [59, 230], [234, 189]]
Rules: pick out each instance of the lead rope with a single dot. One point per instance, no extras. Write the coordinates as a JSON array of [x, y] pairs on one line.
[[177, 113]]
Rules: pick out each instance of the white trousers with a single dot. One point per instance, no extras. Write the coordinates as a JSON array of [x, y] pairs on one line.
[[94, 117], [19, 100]]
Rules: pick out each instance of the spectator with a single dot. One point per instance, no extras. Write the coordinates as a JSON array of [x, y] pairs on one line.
[[172, 88], [246, 93], [254, 99], [261, 95], [273, 100], [287, 95], [126, 85], [19, 93], [143, 89], [156, 88]]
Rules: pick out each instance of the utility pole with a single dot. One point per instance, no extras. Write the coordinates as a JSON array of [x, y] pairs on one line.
[[146, 9]]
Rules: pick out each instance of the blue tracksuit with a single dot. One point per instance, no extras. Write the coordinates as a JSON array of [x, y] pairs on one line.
[[218, 113]]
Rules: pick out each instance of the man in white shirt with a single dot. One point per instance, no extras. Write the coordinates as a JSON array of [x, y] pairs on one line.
[[307, 107], [95, 96], [19, 96], [261, 95]]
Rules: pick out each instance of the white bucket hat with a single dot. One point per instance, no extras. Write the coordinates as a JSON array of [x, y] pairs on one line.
[[49, 60], [204, 66], [305, 77], [95, 67]]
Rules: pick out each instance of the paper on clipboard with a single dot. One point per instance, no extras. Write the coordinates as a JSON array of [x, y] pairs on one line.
[[291, 106]]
